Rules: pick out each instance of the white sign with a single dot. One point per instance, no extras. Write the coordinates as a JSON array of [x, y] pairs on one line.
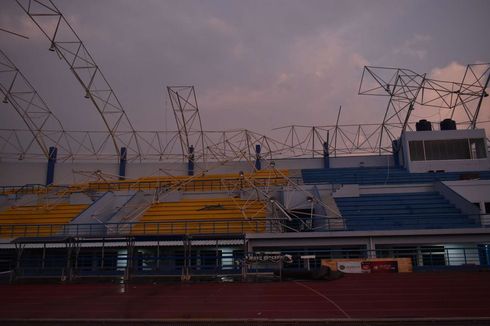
[[270, 258], [308, 257], [350, 267]]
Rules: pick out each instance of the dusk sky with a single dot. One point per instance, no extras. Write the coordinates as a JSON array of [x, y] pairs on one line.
[[255, 64]]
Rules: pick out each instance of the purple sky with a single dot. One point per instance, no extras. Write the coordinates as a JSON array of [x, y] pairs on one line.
[[255, 64]]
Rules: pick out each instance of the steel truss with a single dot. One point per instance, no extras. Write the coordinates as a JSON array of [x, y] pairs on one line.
[[402, 86], [407, 89], [342, 140], [22, 96], [220, 146], [186, 112], [69, 47]]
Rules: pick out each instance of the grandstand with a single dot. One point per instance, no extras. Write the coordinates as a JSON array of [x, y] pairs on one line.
[[126, 206], [207, 223]]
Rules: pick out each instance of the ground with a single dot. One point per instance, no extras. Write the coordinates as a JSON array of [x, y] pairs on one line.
[[410, 295]]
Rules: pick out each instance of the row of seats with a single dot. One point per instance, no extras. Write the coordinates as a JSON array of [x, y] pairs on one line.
[[37, 220], [217, 215], [427, 210], [375, 175]]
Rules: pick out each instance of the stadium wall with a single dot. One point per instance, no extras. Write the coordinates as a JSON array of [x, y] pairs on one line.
[[18, 173]]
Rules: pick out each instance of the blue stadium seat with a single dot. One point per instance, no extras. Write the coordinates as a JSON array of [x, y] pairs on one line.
[[380, 175], [428, 210]]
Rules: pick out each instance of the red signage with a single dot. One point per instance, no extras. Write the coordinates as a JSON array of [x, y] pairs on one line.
[[389, 266]]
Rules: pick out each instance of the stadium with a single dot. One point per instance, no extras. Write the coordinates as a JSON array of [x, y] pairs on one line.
[[239, 219]]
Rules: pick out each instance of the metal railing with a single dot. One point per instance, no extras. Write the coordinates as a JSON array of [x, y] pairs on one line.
[[216, 184], [29, 188], [210, 226], [232, 226], [214, 261]]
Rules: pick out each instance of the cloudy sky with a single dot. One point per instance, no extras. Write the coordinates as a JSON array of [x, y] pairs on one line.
[[255, 64]]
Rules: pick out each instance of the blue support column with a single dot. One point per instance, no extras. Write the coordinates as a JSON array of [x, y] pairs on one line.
[[190, 164], [53, 153], [326, 156], [395, 145], [258, 164], [122, 163]]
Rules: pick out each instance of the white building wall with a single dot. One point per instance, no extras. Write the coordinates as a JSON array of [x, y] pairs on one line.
[[18, 173], [362, 161], [475, 191]]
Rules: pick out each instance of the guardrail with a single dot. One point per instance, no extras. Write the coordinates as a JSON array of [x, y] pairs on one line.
[[217, 184], [25, 189], [222, 226]]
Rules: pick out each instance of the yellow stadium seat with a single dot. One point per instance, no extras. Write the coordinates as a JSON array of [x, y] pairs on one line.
[[203, 216], [36, 221]]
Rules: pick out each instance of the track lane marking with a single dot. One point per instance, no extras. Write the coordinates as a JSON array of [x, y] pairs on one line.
[[326, 298]]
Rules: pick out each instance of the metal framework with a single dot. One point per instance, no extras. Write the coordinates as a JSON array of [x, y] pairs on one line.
[[407, 89], [69, 47], [402, 86], [342, 140], [186, 112], [220, 146], [33, 110]]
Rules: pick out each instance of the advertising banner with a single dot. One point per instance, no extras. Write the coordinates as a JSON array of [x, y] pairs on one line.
[[369, 265], [350, 267], [380, 266]]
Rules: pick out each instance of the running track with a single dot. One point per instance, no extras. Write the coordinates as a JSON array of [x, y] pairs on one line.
[[432, 295]]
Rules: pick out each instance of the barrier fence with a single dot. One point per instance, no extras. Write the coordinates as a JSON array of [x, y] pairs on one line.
[[133, 260]]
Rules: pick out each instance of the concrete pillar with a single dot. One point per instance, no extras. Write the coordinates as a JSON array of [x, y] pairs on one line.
[[371, 247]]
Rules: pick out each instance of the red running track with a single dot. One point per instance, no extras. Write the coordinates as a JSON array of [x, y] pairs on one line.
[[432, 295]]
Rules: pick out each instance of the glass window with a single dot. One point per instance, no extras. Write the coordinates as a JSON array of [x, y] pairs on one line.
[[478, 149], [477, 205], [487, 207], [448, 149], [454, 149], [416, 150]]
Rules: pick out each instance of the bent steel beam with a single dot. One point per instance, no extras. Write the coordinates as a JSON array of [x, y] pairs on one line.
[[67, 44]]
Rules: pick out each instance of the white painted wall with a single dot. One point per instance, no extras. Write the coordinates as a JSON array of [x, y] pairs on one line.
[[395, 189], [18, 173], [360, 161], [475, 191], [79, 172]]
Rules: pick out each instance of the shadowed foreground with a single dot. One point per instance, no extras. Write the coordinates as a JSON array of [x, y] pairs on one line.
[[368, 296]]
